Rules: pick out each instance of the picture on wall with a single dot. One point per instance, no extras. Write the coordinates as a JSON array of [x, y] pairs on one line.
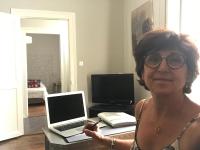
[[141, 21]]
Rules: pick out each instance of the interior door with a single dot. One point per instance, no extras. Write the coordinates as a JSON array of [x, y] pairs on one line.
[[11, 90]]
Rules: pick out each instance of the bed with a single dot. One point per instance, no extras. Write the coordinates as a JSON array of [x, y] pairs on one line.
[[37, 95]]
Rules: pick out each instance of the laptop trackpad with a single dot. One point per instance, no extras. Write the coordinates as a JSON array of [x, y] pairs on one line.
[[72, 132], [79, 129]]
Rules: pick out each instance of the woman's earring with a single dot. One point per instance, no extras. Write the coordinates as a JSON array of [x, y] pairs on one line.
[[187, 88]]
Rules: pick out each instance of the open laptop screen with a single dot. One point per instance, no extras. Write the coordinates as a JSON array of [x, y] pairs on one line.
[[65, 107]]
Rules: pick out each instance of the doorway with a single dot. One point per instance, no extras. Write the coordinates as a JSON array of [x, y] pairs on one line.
[[50, 22], [44, 67], [44, 61], [44, 57]]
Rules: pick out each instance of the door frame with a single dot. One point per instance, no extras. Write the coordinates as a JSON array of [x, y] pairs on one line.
[[54, 15]]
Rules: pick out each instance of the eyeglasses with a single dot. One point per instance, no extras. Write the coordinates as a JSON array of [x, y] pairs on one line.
[[174, 60]]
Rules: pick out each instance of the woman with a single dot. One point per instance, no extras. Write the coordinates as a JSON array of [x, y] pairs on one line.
[[166, 64]]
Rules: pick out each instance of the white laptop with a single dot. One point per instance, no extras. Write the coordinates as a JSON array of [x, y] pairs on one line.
[[66, 109]]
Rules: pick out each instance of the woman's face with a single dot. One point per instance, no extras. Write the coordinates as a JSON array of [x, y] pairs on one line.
[[165, 72]]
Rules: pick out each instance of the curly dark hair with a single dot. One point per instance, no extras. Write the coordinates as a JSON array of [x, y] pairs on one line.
[[167, 40]]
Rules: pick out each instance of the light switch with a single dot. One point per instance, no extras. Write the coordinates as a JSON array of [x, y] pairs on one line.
[[81, 63]]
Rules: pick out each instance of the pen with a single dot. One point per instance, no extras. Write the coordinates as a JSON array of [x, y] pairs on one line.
[[96, 123]]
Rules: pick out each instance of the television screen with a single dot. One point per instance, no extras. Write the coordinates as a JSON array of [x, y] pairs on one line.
[[112, 88]]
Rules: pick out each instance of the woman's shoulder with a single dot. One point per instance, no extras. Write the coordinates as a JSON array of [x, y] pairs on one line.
[[192, 135], [194, 122], [139, 107]]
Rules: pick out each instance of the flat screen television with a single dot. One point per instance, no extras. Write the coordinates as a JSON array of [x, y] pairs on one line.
[[113, 88]]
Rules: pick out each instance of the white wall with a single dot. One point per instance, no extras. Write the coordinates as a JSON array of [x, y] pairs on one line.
[[43, 59], [99, 28], [103, 33], [159, 21]]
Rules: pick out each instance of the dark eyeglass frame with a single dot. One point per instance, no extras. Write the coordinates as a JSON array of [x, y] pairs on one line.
[[167, 59]]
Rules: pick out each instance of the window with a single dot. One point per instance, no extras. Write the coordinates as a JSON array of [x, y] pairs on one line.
[[182, 16]]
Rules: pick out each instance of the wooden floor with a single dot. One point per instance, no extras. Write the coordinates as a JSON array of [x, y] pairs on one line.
[[36, 119], [29, 142], [36, 110]]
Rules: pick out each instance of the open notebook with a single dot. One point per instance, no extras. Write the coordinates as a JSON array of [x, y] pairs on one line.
[[66, 113]]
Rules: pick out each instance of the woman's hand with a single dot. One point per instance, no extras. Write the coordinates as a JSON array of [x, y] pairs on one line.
[[92, 131]]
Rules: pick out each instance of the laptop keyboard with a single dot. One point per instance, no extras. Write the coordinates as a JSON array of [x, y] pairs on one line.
[[70, 126]]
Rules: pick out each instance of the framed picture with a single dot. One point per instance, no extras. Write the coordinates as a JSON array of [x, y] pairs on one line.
[[141, 21]]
